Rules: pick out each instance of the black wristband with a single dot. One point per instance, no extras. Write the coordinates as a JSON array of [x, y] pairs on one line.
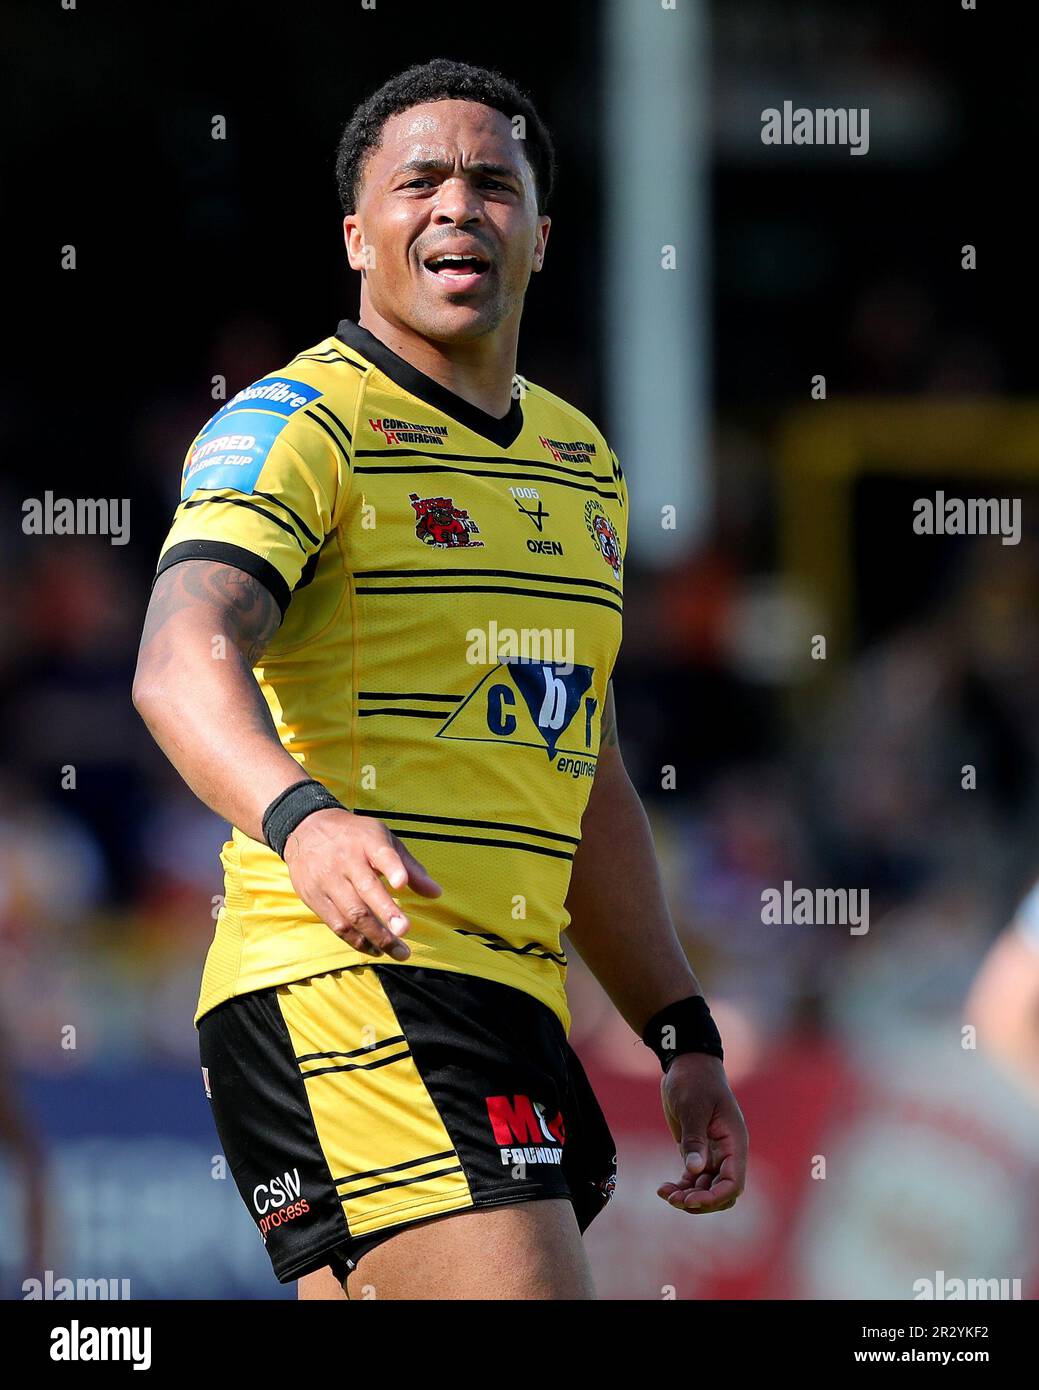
[[684, 1026], [293, 805]]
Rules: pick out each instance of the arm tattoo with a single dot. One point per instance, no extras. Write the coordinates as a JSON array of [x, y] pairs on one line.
[[238, 605], [252, 613], [608, 732]]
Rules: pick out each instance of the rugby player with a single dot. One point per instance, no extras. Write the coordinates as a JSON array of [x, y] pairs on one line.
[[380, 643]]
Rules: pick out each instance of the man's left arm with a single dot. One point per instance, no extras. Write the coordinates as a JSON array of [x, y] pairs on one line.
[[622, 929]]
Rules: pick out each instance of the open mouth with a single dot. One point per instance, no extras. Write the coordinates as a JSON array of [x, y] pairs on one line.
[[459, 271]]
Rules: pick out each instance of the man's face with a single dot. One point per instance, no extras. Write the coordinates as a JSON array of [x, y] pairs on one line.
[[447, 179]]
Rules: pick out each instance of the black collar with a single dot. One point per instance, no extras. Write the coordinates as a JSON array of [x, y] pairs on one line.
[[503, 431]]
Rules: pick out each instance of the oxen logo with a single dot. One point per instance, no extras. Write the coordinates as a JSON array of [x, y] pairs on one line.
[[604, 534], [443, 525]]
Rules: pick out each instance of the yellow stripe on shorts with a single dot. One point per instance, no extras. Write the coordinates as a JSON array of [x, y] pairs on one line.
[[389, 1153]]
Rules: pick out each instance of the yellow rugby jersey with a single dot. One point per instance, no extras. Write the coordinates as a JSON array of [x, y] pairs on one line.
[[451, 590]]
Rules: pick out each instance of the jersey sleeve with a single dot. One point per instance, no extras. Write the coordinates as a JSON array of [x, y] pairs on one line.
[[262, 486], [622, 493], [622, 527]]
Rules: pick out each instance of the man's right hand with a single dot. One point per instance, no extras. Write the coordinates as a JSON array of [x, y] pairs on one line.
[[335, 860]]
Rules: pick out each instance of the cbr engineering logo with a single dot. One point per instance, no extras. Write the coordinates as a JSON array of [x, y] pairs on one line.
[[535, 704]]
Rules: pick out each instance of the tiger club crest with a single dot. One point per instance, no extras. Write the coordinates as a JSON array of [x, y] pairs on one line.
[[604, 535]]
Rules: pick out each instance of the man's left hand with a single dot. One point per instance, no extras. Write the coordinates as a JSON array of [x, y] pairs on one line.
[[709, 1129]]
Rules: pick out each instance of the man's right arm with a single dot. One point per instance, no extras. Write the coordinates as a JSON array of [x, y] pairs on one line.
[[207, 625]]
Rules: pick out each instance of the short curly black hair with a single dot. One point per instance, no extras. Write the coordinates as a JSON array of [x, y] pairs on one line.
[[438, 80]]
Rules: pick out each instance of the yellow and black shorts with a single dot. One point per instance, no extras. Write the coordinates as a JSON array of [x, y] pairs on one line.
[[354, 1103]]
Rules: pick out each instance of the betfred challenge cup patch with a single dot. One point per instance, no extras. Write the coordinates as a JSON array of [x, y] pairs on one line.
[[604, 535], [441, 524], [233, 445]]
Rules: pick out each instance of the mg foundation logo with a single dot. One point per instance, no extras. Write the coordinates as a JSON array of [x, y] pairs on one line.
[[523, 1131]]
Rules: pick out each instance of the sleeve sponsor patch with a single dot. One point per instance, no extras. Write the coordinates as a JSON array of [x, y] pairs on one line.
[[233, 446]]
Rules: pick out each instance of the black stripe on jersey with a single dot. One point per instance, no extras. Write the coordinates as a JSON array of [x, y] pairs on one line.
[[485, 473], [484, 574], [357, 1052], [343, 448], [395, 1167], [306, 574], [320, 405], [331, 356], [396, 695], [400, 1182], [269, 497], [489, 589], [237, 557], [408, 713], [250, 506], [473, 824], [495, 943], [405, 833], [309, 570], [355, 1066], [401, 453]]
